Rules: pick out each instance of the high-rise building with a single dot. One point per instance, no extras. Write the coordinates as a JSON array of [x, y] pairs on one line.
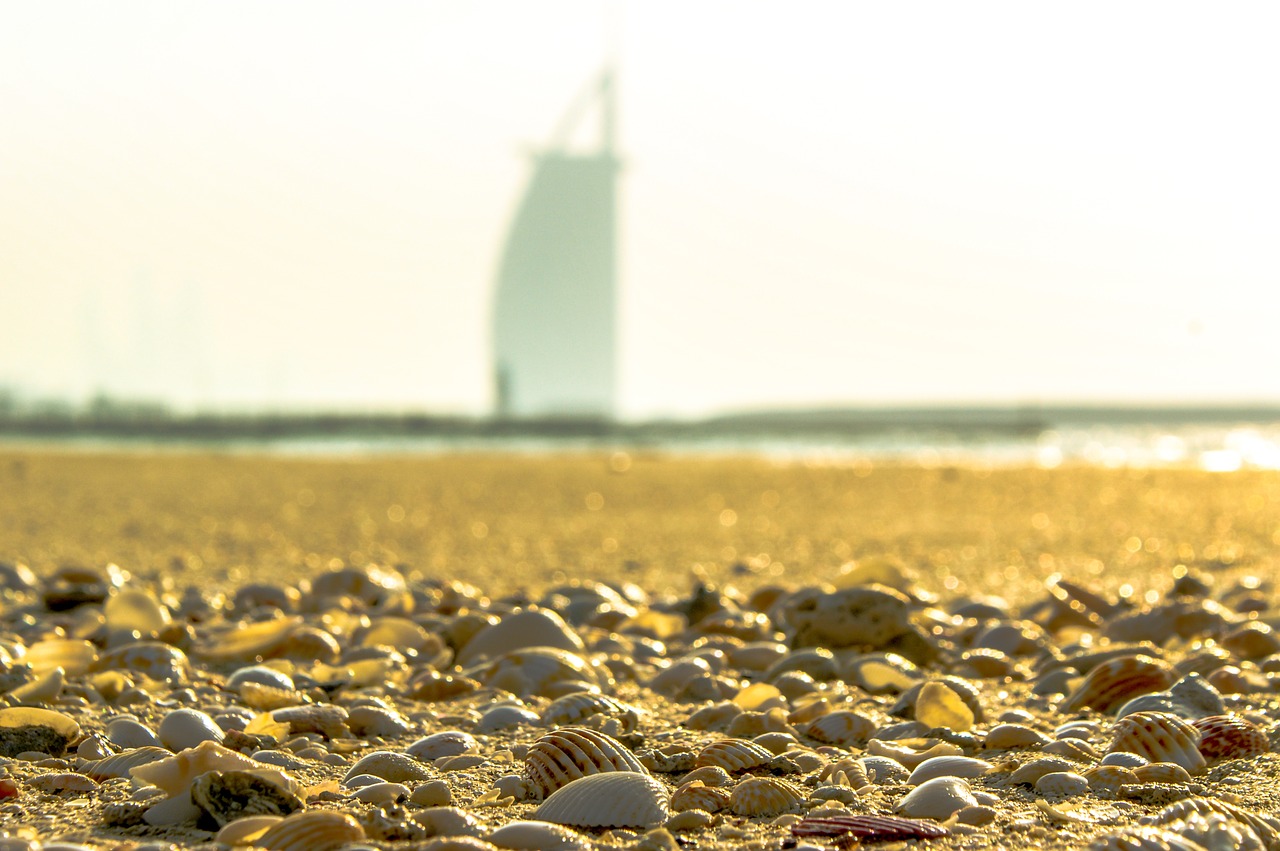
[[554, 318]]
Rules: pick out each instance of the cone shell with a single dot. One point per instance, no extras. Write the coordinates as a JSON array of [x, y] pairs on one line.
[[1160, 737], [614, 799], [1114, 682], [1230, 737], [314, 830], [696, 795], [733, 755], [765, 796], [566, 755]]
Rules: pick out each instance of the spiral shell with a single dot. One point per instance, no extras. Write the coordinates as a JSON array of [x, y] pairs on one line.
[[578, 707], [314, 830], [572, 753], [841, 728], [1230, 737], [696, 795], [937, 798], [733, 755], [764, 796], [612, 799], [1160, 737], [1112, 683]]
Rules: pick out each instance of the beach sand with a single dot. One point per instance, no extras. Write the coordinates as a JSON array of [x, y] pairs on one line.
[[515, 526]]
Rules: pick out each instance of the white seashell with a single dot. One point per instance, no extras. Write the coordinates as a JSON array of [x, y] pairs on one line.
[[937, 799], [571, 753], [1077, 749], [326, 719], [1110, 778], [884, 770], [504, 717], [1145, 839], [186, 728], [676, 677], [122, 764], [1124, 759], [1013, 736], [174, 774], [948, 766], [448, 821], [613, 799], [445, 743], [376, 721], [755, 797], [382, 793], [1062, 784], [1215, 831], [539, 671], [1160, 737], [389, 765], [128, 733], [63, 781], [538, 836], [1266, 827], [520, 630], [841, 728], [433, 793], [1032, 771], [260, 674], [733, 755], [313, 830], [695, 795], [579, 706]]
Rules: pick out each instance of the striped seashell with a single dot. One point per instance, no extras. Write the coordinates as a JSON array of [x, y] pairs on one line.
[[1112, 683], [1032, 771], [846, 772], [122, 764], [1161, 772], [733, 755], [841, 728], [1230, 737], [695, 795], [1215, 831], [948, 766], [444, 743], [1110, 778], [1076, 749], [869, 828], [571, 753], [612, 799], [1266, 827], [1144, 838], [938, 798], [313, 830], [579, 706], [1062, 784], [711, 775], [1160, 737], [756, 797], [538, 834]]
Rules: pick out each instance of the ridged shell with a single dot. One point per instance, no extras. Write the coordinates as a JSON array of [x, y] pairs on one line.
[[733, 755], [543, 836], [444, 743], [581, 705], [871, 828], [1214, 831], [1161, 772], [1160, 737], [1145, 839], [1112, 683], [1266, 827], [1110, 778], [613, 799], [696, 795], [948, 766], [938, 798], [314, 830], [765, 796], [122, 764], [1230, 737], [841, 728], [566, 755]]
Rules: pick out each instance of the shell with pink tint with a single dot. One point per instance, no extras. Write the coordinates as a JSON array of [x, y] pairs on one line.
[[1114, 682], [1160, 737], [870, 828], [1230, 737]]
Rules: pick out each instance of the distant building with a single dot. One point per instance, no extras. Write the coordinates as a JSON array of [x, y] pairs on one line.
[[554, 318]]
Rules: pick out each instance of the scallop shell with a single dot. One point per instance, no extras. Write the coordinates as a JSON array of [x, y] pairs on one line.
[[733, 755], [938, 798], [870, 828], [574, 752], [1110, 778], [613, 799], [1160, 737], [696, 795], [1145, 839], [1062, 784], [1218, 831], [444, 743], [1161, 772], [122, 764], [1112, 683], [313, 830], [1230, 737], [1266, 827], [765, 796], [579, 706], [1077, 749], [948, 766], [841, 728]]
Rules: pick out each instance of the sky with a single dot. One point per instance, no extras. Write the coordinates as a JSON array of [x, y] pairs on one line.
[[294, 205]]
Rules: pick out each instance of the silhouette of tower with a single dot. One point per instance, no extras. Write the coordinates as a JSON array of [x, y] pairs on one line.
[[554, 323]]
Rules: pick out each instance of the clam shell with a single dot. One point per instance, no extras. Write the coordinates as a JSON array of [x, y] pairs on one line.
[[579, 706], [538, 835], [733, 755], [574, 752], [28, 728], [1230, 737], [444, 743], [1032, 771], [1062, 784], [948, 766], [938, 798], [312, 830], [841, 728], [1116, 681], [186, 728], [696, 795], [613, 799], [538, 671], [389, 765], [1110, 778], [244, 831], [1160, 737], [1013, 736], [1161, 772], [765, 796], [519, 630]]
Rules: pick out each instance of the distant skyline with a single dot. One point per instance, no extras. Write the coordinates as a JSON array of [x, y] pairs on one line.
[[298, 205]]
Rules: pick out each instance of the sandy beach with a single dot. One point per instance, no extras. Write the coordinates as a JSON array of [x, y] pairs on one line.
[[976, 544]]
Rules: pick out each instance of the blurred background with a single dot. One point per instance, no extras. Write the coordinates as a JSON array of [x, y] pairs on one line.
[[307, 206]]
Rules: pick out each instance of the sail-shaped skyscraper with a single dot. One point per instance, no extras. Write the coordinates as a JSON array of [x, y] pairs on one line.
[[554, 317]]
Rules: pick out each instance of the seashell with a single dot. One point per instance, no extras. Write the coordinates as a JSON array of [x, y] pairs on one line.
[[883, 770], [696, 795], [865, 616], [1183, 618], [71, 585], [244, 642], [1077, 749], [400, 633], [756, 797], [129, 733], [260, 674], [1218, 831], [688, 820], [538, 671], [1118, 680], [1032, 771], [28, 728], [389, 765], [261, 595], [311, 830], [909, 756], [1110, 778], [538, 836], [174, 774], [905, 707], [122, 764], [135, 609], [1266, 827], [246, 831], [445, 743], [520, 630], [717, 716], [818, 663], [841, 728], [676, 677], [306, 644], [1230, 737], [938, 798], [938, 705], [1013, 736], [75, 658], [869, 828], [376, 721], [1251, 640], [1161, 772], [612, 799], [577, 707], [326, 719], [1145, 839], [186, 728], [382, 793], [757, 657], [433, 793], [1197, 694], [559, 758], [43, 689], [63, 782], [373, 585], [1160, 737], [432, 686], [948, 766], [504, 717], [733, 755], [881, 673], [1124, 759], [230, 795], [448, 821], [1061, 784]]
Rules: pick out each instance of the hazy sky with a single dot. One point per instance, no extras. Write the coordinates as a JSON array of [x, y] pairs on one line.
[[302, 203]]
